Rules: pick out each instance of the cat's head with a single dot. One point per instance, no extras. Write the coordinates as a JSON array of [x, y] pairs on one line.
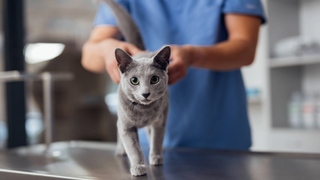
[[144, 80]]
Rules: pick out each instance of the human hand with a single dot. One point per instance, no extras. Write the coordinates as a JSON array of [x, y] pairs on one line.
[[181, 59], [110, 61]]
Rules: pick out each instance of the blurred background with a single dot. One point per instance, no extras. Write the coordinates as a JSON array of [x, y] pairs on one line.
[[54, 34], [282, 85]]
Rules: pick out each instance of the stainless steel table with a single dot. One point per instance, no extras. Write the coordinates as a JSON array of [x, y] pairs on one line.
[[89, 160]]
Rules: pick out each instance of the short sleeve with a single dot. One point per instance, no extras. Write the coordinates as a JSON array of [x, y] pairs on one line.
[[105, 15], [248, 7]]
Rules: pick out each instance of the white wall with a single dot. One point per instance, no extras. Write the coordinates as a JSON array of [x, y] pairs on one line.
[[67, 21]]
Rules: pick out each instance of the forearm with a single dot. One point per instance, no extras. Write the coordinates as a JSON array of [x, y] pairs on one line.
[[231, 54], [94, 50]]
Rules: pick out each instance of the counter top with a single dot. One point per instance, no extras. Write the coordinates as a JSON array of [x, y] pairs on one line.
[[90, 160]]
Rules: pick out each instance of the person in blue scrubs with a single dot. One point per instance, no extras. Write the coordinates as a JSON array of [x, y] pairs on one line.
[[211, 40]]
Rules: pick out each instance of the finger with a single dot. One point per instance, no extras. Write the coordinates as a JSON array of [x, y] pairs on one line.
[[112, 77], [171, 72], [173, 51], [173, 66], [174, 78], [113, 73], [172, 55], [116, 75], [177, 75]]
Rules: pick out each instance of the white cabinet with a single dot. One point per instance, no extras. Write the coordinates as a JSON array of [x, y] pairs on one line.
[[279, 77]]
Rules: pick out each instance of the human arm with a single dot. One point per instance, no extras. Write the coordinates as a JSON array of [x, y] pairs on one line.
[[237, 51], [98, 51]]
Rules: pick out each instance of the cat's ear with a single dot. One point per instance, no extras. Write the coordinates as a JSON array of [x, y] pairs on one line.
[[161, 59], [123, 59]]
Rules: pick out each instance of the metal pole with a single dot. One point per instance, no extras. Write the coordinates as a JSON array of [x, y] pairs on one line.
[[47, 78], [48, 107], [14, 60]]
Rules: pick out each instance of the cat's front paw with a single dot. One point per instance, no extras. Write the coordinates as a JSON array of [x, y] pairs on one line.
[[155, 160], [138, 170]]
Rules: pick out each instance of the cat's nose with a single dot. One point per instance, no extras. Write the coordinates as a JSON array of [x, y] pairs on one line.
[[146, 95]]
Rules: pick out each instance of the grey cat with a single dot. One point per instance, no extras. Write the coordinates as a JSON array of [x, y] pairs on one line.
[[143, 94], [143, 97]]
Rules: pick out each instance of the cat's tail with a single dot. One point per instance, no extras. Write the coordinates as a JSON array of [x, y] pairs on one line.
[[126, 24]]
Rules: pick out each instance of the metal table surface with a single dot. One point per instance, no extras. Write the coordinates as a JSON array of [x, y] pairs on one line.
[[89, 160]]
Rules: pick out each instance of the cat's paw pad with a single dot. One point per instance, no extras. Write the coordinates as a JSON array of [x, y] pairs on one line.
[[155, 160], [138, 170], [120, 152]]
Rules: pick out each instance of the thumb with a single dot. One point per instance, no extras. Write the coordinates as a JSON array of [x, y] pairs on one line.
[[173, 66]]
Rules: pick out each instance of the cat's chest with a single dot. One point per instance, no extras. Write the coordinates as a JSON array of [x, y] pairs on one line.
[[142, 116]]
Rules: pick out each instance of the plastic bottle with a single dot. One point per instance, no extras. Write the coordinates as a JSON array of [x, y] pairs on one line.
[[294, 110], [308, 111], [34, 127]]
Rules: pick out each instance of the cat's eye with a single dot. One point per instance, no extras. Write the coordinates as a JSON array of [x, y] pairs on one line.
[[134, 81], [154, 79]]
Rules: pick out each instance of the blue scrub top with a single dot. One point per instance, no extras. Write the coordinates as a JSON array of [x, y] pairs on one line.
[[208, 109]]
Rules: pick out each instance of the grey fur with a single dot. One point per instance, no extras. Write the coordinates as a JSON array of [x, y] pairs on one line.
[[134, 111], [126, 24]]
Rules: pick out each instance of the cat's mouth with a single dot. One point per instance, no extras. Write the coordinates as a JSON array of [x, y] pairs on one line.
[[145, 101]]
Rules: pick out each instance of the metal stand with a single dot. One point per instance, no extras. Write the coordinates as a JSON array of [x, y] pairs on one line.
[[47, 79], [48, 107]]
